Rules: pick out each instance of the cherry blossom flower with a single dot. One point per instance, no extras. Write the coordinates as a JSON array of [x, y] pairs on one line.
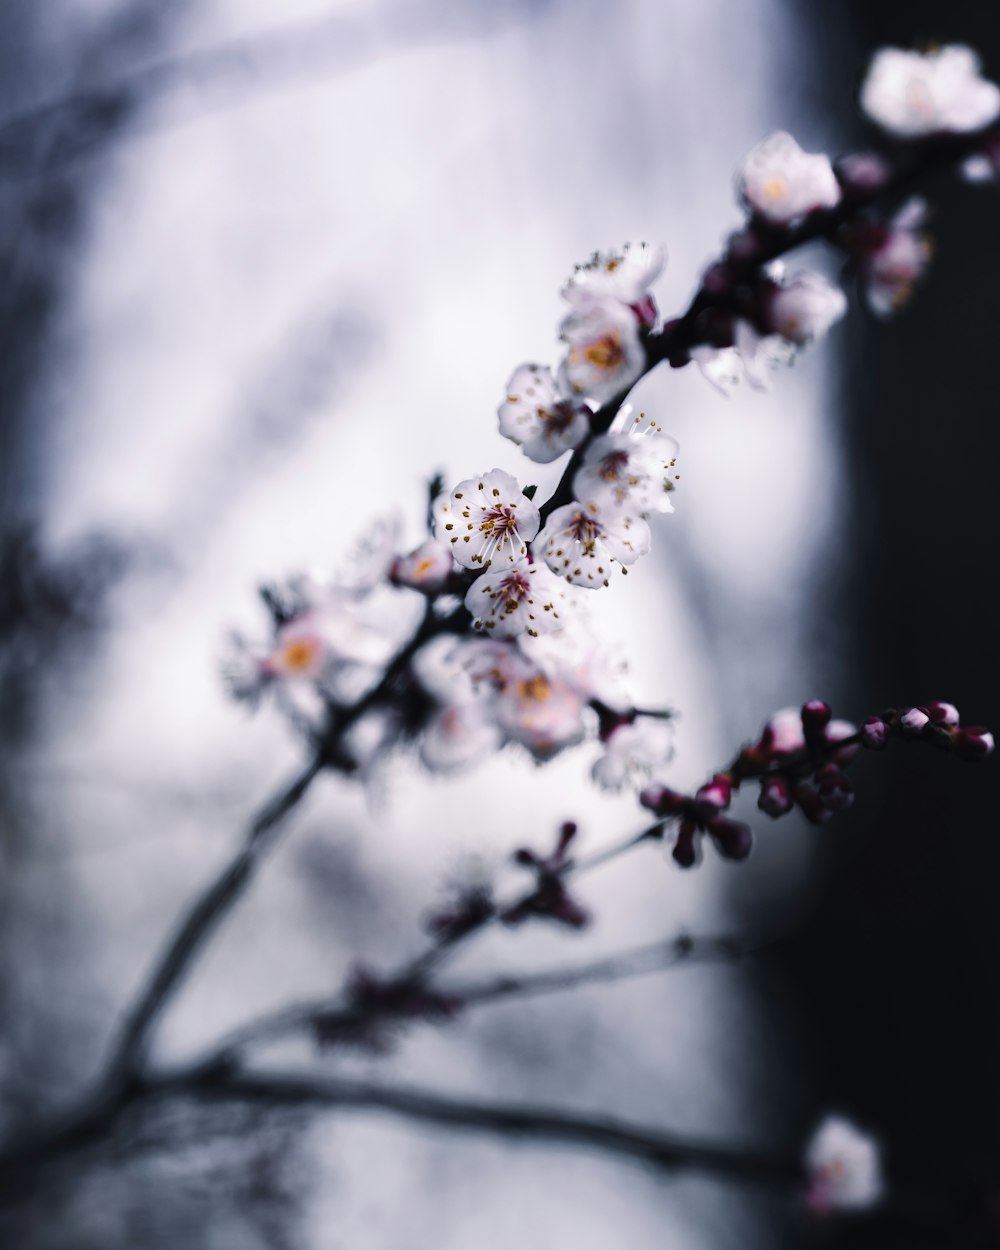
[[845, 1172], [632, 752], [427, 568], [804, 308], [894, 258], [541, 712], [525, 598], [760, 354], [625, 276], [781, 183], [912, 94], [629, 469], [301, 651], [580, 541], [459, 735], [719, 366], [487, 521], [606, 355], [536, 416]]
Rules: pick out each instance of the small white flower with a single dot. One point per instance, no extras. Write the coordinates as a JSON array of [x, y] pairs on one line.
[[760, 354], [633, 752], [301, 651], [541, 712], [896, 260], [576, 656], [606, 355], [426, 568], [459, 735], [526, 598], [486, 520], [629, 470], [845, 1171], [582, 540], [537, 417], [720, 366], [782, 183], [625, 276], [804, 308], [912, 94]]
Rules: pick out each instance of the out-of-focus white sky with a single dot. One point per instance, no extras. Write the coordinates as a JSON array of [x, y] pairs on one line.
[[288, 310]]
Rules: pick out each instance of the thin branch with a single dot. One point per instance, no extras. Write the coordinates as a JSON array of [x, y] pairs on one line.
[[342, 1015], [202, 918], [527, 1123]]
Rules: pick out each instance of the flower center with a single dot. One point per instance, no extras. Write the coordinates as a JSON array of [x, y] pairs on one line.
[[299, 656], [613, 465], [534, 689], [605, 353], [774, 188]]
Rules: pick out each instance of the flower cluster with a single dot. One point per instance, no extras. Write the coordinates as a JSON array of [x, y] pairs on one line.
[[844, 1168]]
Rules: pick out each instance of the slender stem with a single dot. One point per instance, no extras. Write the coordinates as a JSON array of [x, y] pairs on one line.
[[201, 919], [527, 1123]]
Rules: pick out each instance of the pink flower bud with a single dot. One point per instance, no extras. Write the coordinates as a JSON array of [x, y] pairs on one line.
[[685, 850], [663, 801], [973, 743], [863, 171], [914, 720], [835, 791], [775, 796], [942, 713], [717, 793], [874, 733], [811, 805], [732, 839]]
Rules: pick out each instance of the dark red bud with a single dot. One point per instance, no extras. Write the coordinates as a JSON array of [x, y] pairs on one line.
[[811, 805], [942, 713], [874, 733], [775, 796], [685, 850], [732, 839], [716, 793], [815, 717], [663, 801], [973, 743]]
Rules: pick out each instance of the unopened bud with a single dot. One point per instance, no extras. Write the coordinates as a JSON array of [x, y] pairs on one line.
[[914, 720], [863, 171], [835, 791], [717, 793], [973, 743], [732, 839], [815, 717], [811, 805], [942, 713], [874, 733], [663, 801], [685, 850], [775, 796]]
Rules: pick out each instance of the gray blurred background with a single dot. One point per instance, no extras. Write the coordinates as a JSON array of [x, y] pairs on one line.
[[264, 270]]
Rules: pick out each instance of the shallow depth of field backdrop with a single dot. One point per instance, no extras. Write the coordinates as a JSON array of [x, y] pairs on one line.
[[254, 306]]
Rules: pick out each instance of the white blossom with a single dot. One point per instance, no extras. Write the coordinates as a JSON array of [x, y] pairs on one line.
[[632, 752], [541, 712], [580, 541], [301, 651], [427, 568], [457, 736], [629, 469], [760, 354], [845, 1172], [486, 520], [804, 308], [606, 355], [896, 260], [912, 94], [781, 183], [540, 419], [526, 598], [625, 276], [720, 366]]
